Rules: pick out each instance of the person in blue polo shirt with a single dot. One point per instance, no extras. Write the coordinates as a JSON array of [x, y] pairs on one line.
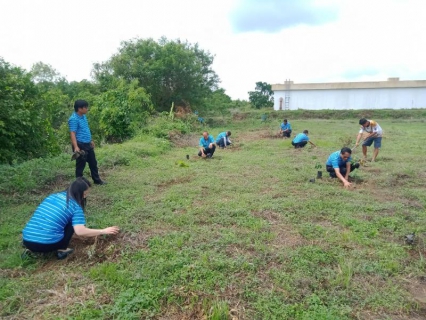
[[81, 139], [222, 139], [285, 129], [301, 140], [339, 165], [57, 218], [207, 145]]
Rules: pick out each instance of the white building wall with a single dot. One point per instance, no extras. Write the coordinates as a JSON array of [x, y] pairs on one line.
[[341, 99]]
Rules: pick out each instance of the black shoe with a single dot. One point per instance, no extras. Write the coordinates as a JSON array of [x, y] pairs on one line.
[[209, 155], [100, 182], [63, 254]]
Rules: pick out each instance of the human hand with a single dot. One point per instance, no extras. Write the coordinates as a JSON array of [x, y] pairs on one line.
[[92, 144], [347, 184], [76, 149], [111, 230]]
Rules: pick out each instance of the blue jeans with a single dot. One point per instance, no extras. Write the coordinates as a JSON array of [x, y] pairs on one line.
[[377, 142]]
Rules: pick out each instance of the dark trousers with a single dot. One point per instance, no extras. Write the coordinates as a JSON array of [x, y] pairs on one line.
[[90, 158], [330, 169], [221, 144], [208, 150], [287, 133], [299, 144], [61, 245]]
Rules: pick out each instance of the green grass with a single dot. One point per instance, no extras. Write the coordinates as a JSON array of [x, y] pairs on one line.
[[244, 234]]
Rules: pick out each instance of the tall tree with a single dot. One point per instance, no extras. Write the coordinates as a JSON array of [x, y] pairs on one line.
[[24, 132], [170, 71], [263, 97], [42, 72]]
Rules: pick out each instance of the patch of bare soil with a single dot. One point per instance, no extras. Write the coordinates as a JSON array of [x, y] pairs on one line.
[[184, 140], [174, 181]]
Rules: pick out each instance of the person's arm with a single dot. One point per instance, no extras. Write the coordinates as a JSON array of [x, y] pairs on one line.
[[224, 141], [348, 170], [74, 141], [202, 152], [346, 183], [358, 138], [311, 143], [92, 143], [83, 231]]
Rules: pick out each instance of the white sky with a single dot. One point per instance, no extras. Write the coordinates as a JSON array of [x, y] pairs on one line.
[[252, 40]]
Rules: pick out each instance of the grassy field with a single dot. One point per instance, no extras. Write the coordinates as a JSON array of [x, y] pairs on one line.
[[244, 235]]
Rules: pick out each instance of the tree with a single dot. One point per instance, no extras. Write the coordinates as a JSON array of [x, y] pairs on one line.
[[170, 71], [263, 97], [118, 113], [24, 132], [41, 72], [218, 101]]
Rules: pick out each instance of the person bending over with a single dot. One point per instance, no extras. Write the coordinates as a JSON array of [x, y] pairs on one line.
[[301, 140], [374, 132], [222, 139], [339, 165], [207, 145], [57, 218]]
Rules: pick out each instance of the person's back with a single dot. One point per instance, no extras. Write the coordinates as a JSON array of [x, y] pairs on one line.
[[51, 217], [301, 140]]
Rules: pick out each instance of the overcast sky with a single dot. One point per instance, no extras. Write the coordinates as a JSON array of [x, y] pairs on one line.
[[252, 40]]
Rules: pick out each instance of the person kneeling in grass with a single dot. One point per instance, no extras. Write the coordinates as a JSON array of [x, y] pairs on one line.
[[222, 139], [285, 129], [301, 140], [339, 165], [57, 218], [207, 145]]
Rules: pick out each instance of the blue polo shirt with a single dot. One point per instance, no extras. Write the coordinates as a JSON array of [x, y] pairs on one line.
[[48, 222], [221, 136], [80, 126], [205, 143], [286, 126], [336, 160], [300, 137]]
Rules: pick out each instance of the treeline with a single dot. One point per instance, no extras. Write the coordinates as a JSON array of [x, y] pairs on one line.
[[142, 79]]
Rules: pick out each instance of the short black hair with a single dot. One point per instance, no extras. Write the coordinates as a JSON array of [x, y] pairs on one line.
[[346, 149], [285, 120], [229, 133], [362, 121], [78, 104], [305, 131]]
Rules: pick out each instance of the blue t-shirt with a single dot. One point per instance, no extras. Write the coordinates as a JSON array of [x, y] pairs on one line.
[[205, 143], [80, 126], [221, 136], [336, 160], [300, 137], [285, 126], [48, 222]]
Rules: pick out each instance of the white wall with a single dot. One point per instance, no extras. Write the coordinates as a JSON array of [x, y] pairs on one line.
[[383, 98]]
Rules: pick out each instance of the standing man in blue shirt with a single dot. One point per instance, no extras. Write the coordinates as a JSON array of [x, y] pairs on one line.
[[285, 129], [81, 139], [207, 145], [339, 165], [301, 140], [222, 139]]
